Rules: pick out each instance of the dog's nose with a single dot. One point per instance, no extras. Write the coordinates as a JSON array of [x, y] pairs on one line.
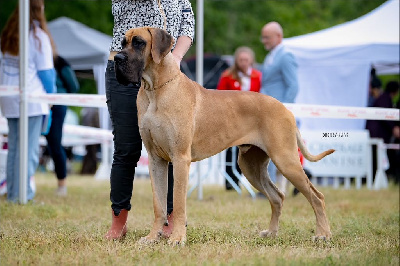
[[119, 57]]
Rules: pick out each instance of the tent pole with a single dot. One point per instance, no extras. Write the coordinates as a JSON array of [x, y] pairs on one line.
[[23, 119]]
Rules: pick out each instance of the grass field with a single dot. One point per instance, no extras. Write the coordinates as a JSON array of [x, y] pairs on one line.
[[222, 229]]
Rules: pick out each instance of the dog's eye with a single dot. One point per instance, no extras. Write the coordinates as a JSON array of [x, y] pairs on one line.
[[123, 42], [137, 43]]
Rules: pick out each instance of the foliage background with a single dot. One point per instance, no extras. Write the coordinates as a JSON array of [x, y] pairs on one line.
[[228, 23]]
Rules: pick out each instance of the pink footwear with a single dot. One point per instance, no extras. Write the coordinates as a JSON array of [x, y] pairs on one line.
[[118, 227], [167, 229]]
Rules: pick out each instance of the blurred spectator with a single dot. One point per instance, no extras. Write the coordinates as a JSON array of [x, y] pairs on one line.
[[66, 83], [90, 118], [240, 76], [279, 76], [375, 85], [40, 79], [393, 172], [383, 129]]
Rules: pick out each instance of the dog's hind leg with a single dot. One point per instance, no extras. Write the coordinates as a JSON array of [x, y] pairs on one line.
[[159, 182], [253, 162], [289, 165]]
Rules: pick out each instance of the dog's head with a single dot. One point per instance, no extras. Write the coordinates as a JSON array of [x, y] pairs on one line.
[[140, 48]]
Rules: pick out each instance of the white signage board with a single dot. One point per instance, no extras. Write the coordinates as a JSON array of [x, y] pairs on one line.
[[350, 159]]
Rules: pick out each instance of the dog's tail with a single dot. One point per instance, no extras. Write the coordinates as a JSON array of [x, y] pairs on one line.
[[307, 154]]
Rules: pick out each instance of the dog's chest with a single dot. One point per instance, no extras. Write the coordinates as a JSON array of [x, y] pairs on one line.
[[155, 133], [150, 123]]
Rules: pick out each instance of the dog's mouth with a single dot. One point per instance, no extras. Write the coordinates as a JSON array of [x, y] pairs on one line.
[[126, 71]]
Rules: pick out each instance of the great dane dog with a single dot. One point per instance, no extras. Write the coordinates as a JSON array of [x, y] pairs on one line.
[[182, 122]]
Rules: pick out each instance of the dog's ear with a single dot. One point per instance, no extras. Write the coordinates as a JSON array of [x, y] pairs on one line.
[[161, 44]]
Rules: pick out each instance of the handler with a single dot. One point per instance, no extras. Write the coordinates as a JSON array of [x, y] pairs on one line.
[[177, 18]]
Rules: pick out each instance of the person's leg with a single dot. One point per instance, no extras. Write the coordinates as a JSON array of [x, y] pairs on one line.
[[228, 168], [56, 150], [272, 172], [374, 161], [281, 182], [121, 103], [12, 175], [237, 162], [34, 128], [170, 194], [167, 229]]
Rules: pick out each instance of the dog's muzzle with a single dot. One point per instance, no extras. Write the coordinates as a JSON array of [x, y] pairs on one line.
[[127, 71], [119, 57]]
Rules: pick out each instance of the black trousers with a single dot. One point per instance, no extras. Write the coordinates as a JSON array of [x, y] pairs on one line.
[[56, 150], [229, 168], [121, 103]]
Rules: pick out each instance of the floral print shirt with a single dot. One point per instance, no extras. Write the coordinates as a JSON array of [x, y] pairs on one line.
[[177, 14]]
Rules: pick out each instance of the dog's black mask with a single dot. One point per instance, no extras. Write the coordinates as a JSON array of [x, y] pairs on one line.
[[129, 62]]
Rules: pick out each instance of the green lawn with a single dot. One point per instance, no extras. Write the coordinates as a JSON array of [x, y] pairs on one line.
[[222, 229]]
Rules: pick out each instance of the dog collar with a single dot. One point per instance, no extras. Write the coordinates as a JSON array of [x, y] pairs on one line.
[[162, 85]]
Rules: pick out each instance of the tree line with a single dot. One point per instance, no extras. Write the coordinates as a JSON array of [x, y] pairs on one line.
[[227, 23]]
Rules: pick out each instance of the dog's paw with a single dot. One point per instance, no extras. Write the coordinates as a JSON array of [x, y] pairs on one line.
[[147, 240], [267, 233], [320, 238], [177, 241]]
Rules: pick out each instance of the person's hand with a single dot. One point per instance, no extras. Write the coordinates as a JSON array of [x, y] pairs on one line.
[[177, 58], [396, 132], [182, 46]]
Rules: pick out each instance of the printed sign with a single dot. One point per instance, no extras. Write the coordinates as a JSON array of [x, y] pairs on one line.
[[351, 156]]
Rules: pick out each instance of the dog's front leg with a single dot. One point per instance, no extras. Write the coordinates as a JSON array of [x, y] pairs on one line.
[[159, 181], [181, 175]]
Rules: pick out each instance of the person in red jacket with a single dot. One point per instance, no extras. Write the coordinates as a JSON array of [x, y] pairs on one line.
[[240, 76]]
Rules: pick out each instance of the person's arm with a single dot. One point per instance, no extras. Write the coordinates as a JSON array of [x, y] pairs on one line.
[[182, 46], [255, 81], [48, 79], [44, 63], [186, 32], [289, 72], [223, 82], [70, 80]]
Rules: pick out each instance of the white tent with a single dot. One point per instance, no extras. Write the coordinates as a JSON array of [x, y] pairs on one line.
[[85, 49], [335, 63], [82, 46]]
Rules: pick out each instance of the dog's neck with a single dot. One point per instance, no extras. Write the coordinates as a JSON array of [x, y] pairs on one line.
[[158, 75]]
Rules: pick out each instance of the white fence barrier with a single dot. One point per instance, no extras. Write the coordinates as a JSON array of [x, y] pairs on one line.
[[355, 164], [300, 110]]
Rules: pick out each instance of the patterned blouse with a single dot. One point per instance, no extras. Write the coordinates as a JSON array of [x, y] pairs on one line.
[[152, 13]]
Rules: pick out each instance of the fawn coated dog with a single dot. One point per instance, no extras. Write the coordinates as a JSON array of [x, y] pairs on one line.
[[182, 122]]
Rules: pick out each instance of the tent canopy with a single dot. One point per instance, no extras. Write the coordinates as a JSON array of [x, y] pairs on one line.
[[81, 46], [335, 63], [85, 49], [380, 26]]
